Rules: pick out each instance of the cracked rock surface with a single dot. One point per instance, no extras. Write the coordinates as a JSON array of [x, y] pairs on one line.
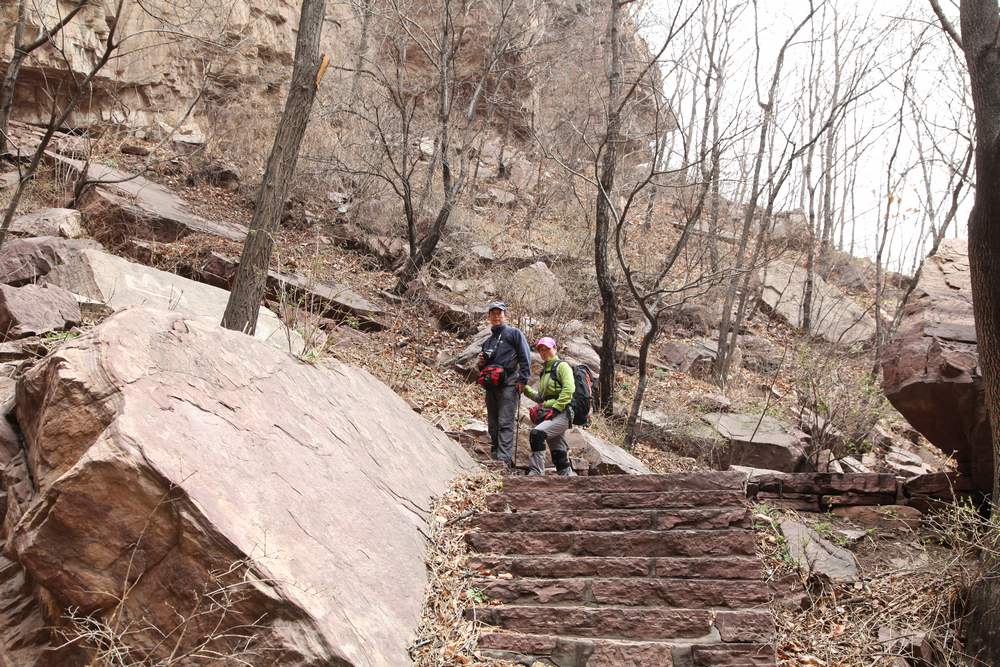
[[171, 459]]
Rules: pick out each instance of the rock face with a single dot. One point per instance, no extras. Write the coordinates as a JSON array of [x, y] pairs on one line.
[[158, 79], [537, 289], [326, 299], [466, 362], [931, 366], [147, 210], [836, 317], [697, 358], [183, 456], [679, 434], [32, 310]]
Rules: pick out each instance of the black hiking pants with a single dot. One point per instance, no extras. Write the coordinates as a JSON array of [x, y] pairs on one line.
[[501, 413]]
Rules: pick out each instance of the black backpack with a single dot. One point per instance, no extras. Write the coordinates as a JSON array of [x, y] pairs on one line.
[[583, 395]]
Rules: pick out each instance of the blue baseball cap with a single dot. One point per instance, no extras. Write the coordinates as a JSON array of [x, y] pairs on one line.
[[497, 305]]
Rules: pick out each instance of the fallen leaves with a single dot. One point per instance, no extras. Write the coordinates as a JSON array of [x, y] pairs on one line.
[[445, 636]]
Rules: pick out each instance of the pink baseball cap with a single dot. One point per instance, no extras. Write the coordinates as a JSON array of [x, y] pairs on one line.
[[546, 342]]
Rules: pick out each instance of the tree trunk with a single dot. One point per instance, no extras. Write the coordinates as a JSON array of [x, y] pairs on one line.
[[7, 93], [649, 335], [605, 282], [980, 23], [450, 186], [251, 278], [716, 201], [359, 62]]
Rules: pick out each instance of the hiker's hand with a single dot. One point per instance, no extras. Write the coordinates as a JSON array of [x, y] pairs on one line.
[[533, 414], [481, 360], [520, 387]]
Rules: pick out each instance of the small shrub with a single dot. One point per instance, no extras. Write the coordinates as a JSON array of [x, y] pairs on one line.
[[838, 406]]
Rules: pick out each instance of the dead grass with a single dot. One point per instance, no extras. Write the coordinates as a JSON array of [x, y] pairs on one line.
[[445, 637], [909, 588]]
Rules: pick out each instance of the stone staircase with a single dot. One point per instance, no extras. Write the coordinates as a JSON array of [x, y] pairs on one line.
[[623, 571]]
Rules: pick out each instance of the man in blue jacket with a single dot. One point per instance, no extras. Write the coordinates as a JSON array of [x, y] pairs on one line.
[[504, 369]]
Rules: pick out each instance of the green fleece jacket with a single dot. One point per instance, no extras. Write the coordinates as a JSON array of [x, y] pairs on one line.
[[558, 394]]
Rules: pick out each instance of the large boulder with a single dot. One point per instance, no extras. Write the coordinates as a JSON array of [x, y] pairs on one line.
[[836, 317], [98, 277], [172, 458], [537, 289], [696, 357], [759, 441], [123, 201], [930, 367], [791, 228], [24, 261], [325, 299], [683, 434], [33, 310], [603, 457], [466, 361], [578, 350], [760, 355], [64, 222], [848, 272]]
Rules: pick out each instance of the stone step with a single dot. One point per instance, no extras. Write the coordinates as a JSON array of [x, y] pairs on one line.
[[629, 592], [583, 652], [542, 499], [630, 622], [700, 481], [578, 651], [604, 520], [733, 655], [624, 543], [728, 567]]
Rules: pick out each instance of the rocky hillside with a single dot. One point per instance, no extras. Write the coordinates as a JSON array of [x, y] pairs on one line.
[[280, 490]]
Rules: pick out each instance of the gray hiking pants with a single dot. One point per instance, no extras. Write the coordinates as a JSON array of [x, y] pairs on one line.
[[501, 413], [550, 432]]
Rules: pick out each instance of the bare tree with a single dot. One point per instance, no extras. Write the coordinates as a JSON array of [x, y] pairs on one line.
[[451, 109], [756, 190], [58, 114], [23, 46], [892, 182], [307, 72], [980, 24], [604, 214]]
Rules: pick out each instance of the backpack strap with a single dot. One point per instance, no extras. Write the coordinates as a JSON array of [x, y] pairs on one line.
[[555, 368], [553, 376]]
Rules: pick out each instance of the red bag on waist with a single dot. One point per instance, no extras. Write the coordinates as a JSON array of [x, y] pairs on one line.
[[491, 376]]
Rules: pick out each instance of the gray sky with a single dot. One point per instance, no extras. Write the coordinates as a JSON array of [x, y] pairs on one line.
[[884, 33]]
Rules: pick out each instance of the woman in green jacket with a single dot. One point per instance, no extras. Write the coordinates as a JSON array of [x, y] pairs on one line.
[[552, 416]]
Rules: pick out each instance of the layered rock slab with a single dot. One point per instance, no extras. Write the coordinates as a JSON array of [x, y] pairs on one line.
[[177, 456], [101, 278], [836, 317], [931, 368]]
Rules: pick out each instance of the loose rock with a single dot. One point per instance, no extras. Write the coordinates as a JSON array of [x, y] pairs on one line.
[[33, 310]]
